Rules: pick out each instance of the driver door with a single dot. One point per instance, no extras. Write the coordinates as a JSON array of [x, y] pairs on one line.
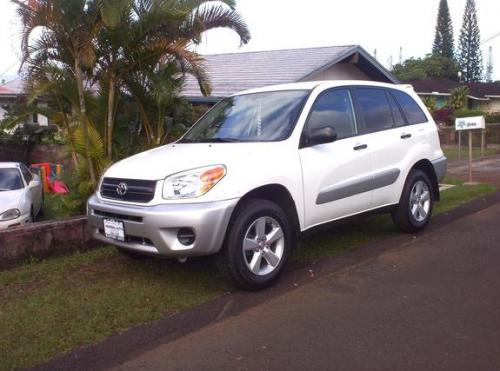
[[336, 176]]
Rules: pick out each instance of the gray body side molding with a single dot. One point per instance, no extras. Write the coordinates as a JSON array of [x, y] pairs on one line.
[[358, 186], [440, 166]]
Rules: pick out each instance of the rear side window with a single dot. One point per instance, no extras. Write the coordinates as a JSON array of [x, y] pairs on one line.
[[334, 108], [396, 112], [413, 112], [375, 109]]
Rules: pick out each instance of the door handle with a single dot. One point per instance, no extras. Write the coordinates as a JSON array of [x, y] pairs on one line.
[[405, 136], [360, 147]]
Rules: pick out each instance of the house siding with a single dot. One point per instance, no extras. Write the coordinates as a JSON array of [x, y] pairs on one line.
[[341, 71]]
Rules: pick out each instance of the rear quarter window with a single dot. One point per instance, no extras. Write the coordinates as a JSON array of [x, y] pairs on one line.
[[412, 111]]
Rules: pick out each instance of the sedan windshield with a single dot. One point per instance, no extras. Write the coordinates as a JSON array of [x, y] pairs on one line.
[[10, 179], [259, 117]]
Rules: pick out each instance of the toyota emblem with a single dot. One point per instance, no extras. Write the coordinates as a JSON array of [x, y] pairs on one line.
[[121, 189]]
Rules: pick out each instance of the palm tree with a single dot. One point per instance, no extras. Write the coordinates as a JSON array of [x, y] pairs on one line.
[[62, 32], [142, 37]]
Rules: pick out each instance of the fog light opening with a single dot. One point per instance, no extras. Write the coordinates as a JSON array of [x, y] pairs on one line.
[[186, 236]]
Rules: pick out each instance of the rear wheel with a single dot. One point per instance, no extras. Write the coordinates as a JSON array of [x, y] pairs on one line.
[[415, 206], [258, 244]]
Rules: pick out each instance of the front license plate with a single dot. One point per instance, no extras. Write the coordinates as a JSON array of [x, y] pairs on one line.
[[114, 229]]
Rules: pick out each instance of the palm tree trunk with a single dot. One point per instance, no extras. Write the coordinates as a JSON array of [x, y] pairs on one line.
[[110, 117], [69, 132], [83, 118]]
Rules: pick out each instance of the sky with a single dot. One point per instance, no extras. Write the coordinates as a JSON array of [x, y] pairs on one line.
[[384, 25]]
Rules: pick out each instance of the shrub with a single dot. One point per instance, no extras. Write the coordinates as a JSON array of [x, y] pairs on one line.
[[443, 115], [493, 118], [459, 97], [430, 103], [468, 113]]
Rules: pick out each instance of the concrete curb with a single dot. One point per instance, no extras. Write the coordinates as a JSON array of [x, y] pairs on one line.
[[43, 239]]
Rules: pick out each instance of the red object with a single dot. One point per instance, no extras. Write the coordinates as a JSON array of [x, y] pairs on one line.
[[59, 187]]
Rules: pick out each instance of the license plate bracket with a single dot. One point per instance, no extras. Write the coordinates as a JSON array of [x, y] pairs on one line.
[[114, 229]]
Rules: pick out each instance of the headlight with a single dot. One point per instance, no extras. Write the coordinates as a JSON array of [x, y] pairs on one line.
[[192, 183], [9, 215]]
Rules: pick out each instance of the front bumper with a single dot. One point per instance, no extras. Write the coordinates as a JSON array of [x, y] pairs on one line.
[[23, 219], [153, 229]]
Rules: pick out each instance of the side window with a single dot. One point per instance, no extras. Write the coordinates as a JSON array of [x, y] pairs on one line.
[[334, 108], [414, 114], [375, 109], [26, 174], [396, 112]]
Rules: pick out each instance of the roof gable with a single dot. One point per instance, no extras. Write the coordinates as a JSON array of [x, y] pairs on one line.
[[231, 73]]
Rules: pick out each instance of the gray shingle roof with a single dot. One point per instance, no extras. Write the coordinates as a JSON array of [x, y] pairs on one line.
[[231, 73]]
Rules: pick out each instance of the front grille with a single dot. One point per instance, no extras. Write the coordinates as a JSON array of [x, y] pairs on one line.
[[136, 190]]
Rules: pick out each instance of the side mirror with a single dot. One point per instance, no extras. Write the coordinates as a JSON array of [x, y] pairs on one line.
[[322, 135], [34, 184]]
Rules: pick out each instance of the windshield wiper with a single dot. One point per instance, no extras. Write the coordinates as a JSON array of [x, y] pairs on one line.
[[218, 140], [5, 189]]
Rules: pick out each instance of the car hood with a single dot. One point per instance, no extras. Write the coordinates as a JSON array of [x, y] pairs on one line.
[[163, 161], [10, 199]]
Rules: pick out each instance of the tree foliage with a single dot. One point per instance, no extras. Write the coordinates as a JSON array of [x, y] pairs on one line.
[[443, 40], [431, 66], [113, 69], [469, 51]]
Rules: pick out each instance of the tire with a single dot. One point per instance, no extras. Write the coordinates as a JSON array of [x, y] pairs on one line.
[[245, 246], [415, 206], [32, 215]]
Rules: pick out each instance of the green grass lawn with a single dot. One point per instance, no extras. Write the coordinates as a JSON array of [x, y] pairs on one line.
[[451, 152], [51, 307]]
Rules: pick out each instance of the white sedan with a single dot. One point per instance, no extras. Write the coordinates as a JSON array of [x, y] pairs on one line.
[[21, 195]]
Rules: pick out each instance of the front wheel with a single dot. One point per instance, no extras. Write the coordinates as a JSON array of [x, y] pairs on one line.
[[258, 244], [415, 206]]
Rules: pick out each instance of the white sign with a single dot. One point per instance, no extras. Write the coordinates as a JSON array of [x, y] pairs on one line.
[[470, 123]]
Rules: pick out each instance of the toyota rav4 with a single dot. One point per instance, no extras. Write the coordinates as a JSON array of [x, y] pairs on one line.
[[264, 165]]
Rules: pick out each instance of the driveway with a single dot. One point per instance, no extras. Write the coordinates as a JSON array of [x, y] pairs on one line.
[[431, 303], [484, 171]]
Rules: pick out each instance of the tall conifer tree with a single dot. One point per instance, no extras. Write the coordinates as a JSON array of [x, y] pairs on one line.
[[443, 40], [470, 58]]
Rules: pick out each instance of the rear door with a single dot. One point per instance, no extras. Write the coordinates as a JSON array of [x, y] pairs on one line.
[[337, 175], [388, 141]]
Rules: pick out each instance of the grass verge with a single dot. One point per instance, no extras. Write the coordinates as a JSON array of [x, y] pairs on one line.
[[51, 307], [451, 152]]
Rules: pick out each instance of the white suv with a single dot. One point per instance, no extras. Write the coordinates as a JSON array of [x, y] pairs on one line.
[[264, 165]]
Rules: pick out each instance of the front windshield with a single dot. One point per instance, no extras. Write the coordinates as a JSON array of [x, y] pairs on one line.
[[10, 179], [259, 117]]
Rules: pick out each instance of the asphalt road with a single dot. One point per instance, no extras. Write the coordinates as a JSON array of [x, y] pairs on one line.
[[429, 303]]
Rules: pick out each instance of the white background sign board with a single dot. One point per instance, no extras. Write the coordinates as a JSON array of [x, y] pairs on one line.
[[470, 123]]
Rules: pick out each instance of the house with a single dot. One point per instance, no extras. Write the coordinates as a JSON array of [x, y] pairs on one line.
[[482, 95], [234, 72], [11, 95]]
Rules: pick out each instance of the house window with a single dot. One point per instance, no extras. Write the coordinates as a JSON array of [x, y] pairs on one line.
[[35, 118]]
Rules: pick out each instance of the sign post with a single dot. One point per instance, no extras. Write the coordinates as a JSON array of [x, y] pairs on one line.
[[470, 124]]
